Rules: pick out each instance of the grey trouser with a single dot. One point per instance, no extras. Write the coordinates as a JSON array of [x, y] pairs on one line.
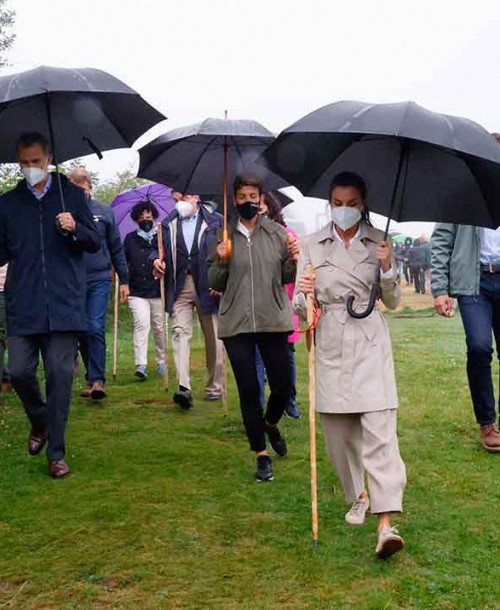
[[58, 354]]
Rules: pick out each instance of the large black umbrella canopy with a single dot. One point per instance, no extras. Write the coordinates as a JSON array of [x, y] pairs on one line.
[[191, 159], [439, 168], [88, 110]]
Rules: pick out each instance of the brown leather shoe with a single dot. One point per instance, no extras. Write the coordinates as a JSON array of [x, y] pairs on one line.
[[36, 440], [58, 469], [86, 392], [490, 436], [97, 392]]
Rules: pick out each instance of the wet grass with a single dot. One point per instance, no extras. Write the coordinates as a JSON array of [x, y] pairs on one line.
[[162, 511]]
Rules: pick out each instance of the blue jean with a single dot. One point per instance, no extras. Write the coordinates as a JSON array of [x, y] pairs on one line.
[[93, 342], [480, 316], [261, 376]]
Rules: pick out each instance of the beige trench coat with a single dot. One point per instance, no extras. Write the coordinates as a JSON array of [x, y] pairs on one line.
[[354, 364]]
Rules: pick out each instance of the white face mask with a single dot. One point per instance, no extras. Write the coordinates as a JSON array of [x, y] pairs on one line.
[[345, 217], [34, 175], [184, 208]]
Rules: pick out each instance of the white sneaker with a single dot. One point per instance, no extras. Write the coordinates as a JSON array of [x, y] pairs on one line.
[[356, 514], [389, 542]]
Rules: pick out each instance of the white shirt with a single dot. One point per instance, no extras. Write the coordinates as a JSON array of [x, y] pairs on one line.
[[243, 230], [188, 227], [490, 246], [383, 274]]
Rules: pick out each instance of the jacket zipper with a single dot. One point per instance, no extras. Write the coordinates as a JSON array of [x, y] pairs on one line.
[[249, 245], [44, 271]]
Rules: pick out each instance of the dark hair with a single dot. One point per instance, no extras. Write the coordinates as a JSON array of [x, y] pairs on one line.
[[30, 138], [248, 180], [274, 209], [143, 206], [356, 181]]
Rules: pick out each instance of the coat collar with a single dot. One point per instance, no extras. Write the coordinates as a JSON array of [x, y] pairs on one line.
[[367, 233], [336, 254], [264, 223]]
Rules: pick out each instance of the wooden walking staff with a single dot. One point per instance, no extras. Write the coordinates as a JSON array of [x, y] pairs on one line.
[[229, 250], [115, 326], [161, 255], [312, 319]]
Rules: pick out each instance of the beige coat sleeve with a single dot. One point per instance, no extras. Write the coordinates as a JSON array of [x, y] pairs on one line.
[[390, 290], [299, 302]]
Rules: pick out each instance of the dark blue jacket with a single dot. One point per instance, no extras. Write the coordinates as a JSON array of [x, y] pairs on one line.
[[45, 286], [175, 274], [111, 252], [138, 254]]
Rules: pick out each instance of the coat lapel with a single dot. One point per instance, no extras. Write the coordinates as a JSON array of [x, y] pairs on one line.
[[348, 259]]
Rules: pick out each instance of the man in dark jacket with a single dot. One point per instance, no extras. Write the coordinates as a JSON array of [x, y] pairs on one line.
[[44, 291], [98, 266], [416, 261], [187, 236]]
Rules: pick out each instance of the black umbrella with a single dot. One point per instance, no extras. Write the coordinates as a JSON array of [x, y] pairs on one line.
[[206, 156], [80, 111], [85, 110], [418, 164]]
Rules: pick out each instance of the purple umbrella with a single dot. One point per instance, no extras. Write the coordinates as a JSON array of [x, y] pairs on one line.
[[158, 194]]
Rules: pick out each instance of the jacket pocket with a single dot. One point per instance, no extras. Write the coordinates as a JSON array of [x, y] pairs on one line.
[[278, 301], [225, 308]]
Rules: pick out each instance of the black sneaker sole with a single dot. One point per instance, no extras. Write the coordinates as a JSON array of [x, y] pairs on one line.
[[264, 480], [184, 403], [97, 395]]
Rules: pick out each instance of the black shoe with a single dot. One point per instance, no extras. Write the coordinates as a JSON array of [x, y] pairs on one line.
[[278, 443], [184, 399], [293, 411], [264, 471]]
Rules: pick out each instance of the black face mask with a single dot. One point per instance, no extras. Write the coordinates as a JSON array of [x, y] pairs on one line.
[[145, 225], [248, 209]]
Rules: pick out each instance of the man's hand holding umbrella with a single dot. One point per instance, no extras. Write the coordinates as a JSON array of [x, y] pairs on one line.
[[66, 222]]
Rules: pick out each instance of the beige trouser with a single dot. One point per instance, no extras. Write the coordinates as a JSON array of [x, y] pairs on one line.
[[359, 442], [182, 332], [145, 313]]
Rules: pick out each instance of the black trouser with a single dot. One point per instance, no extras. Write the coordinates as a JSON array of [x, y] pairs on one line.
[[273, 348], [418, 279], [3, 340], [58, 354]]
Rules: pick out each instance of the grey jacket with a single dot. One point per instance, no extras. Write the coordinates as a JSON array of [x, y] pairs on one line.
[[455, 264], [254, 298]]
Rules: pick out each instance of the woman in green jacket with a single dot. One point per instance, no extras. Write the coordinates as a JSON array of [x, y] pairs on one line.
[[255, 312]]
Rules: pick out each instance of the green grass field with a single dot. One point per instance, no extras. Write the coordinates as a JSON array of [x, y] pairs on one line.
[[162, 510]]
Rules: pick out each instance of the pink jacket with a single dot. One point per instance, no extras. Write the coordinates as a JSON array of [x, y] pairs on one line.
[[295, 336]]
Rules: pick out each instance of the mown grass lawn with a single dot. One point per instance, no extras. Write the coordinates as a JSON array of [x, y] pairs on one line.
[[162, 510]]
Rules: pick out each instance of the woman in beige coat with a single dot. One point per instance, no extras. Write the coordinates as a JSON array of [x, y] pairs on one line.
[[356, 388]]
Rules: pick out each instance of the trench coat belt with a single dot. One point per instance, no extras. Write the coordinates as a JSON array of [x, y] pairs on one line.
[[347, 329]]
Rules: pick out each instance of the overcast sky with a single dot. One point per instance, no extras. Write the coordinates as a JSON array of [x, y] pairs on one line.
[[272, 60]]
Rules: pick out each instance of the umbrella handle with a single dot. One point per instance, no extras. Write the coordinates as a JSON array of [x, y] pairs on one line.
[[359, 315], [228, 243]]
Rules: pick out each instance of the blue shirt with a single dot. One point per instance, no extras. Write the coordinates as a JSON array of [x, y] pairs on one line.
[[188, 226], [41, 195], [490, 247]]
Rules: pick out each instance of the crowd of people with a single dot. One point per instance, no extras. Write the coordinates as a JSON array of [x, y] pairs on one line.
[[413, 259], [248, 291]]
